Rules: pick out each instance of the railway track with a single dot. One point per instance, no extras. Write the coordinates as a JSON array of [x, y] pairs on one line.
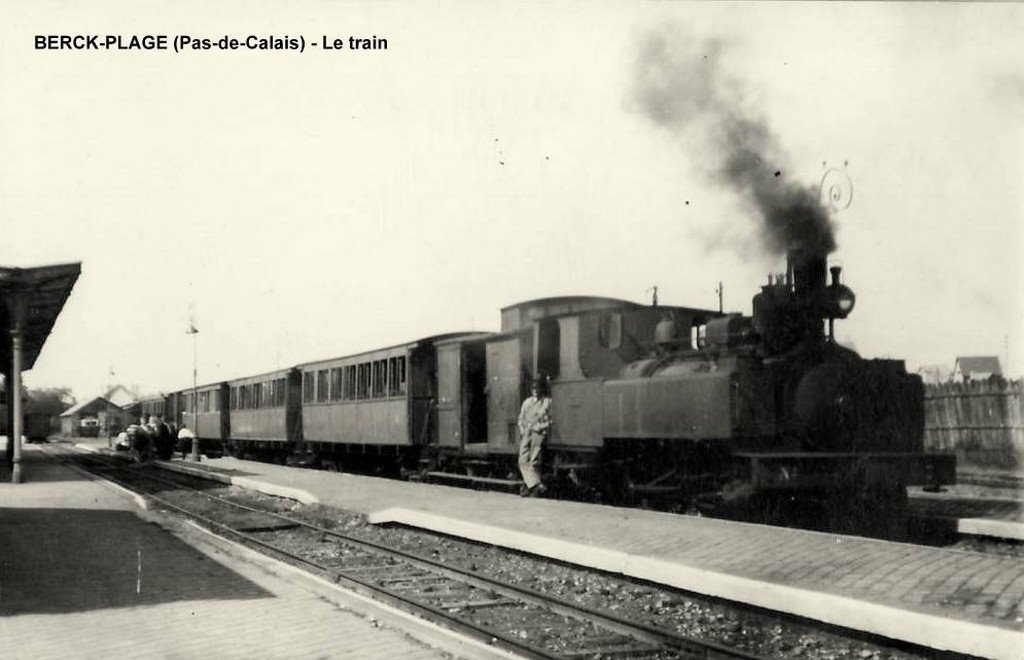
[[525, 622]]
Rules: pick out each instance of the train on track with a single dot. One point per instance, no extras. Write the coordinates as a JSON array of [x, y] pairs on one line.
[[648, 402]]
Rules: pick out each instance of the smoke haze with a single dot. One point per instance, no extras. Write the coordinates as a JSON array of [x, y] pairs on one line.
[[680, 85]]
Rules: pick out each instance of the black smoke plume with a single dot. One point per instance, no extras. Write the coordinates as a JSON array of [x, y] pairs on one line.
[[681, 86]]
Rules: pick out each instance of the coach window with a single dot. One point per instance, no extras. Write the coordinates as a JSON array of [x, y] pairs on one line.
[[336, 384], [379, 378], [363, 380], [234, 398], [321, 386], [392, 376], [257, 395], [609, 332], [214, 403], [396, 376], [307, 387], [350, 383], [548, 347]]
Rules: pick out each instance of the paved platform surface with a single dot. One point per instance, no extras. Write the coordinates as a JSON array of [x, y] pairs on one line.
[[962, 601], [82, 575]]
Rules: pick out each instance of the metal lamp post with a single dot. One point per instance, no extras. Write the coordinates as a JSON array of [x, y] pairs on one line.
[[195, 391]]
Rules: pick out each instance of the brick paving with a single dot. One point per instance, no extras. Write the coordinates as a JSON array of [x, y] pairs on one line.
[[960, 585], [82, 576]]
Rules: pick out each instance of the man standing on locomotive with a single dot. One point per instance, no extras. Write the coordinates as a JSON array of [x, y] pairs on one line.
[[534, 425]]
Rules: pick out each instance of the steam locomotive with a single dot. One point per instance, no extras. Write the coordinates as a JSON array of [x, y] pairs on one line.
[[648, 403]]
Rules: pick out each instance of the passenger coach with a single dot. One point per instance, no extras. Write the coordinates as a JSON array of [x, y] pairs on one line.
[[264, 414], [358, 408], [209, 418]]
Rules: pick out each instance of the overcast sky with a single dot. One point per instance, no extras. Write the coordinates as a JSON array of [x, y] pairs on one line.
[[320, 203]]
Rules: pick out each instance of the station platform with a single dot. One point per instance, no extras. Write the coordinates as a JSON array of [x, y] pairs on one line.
[[84, 573], [964, 602]]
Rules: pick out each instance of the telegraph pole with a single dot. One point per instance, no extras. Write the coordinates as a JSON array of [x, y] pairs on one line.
[[195, 386]]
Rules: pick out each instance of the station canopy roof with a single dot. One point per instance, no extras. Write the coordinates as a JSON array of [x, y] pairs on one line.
[[44, 290]]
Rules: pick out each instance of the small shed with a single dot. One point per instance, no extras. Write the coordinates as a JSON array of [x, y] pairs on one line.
[[980, 367], [91, 418]]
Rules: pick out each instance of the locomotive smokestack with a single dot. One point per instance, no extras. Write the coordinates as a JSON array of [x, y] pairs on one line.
[[808, 272]]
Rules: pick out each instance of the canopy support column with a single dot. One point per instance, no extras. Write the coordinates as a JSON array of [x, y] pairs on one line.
[[16, 305]]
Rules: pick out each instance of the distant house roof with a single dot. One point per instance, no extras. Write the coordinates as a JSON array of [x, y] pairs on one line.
[[983, 364], [119, 395], [88, 407]]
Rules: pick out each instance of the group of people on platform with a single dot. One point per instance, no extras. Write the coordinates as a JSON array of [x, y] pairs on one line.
[[154, 437]]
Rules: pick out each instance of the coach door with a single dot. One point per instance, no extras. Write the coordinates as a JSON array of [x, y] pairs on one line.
[[505, 384], [449, 413]]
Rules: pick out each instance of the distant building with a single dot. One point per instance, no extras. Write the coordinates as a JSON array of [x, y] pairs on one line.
[[95, 417], [979, 367]]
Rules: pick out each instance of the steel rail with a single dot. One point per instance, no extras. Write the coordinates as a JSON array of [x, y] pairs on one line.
[[682, 645], [337, 576]]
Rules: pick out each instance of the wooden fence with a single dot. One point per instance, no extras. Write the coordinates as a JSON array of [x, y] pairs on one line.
[[981, 421]]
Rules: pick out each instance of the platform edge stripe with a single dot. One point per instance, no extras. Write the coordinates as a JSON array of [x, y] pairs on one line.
[[139, 500], [303, 496], [193, 472], [431, 634], [1004, 529], [928, 630]]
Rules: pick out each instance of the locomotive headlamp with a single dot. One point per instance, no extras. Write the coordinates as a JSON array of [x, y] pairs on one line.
[[840, 297], [845, 303], [840, 302]]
